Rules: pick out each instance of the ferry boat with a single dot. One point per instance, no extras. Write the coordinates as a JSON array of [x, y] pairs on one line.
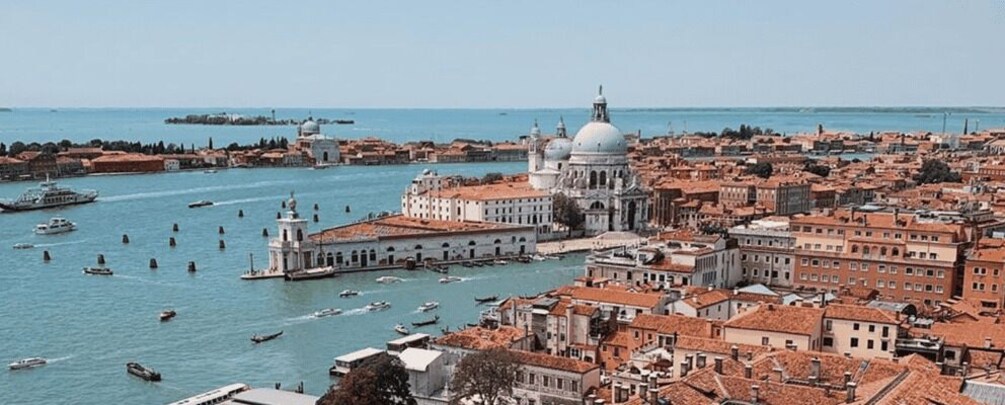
[[48, 195], [401, 329], [200, 203], [167, 315], [265, 338], [449, 279], [54, 226], [429, 306], [23, 246], [214, 397], [30, 362], [378, 306], [388, 279], [348, 293], [138, 370], [98, 271], [326, 312], [310, 274]]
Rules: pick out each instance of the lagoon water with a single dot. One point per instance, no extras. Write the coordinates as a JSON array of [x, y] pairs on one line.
[[91, 325], [443, 125]]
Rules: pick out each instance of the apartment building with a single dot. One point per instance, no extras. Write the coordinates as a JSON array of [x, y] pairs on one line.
[[546, 379], [671, 259], [560, 327], [781, 195], [903, 256], [767, 250], [984, 278], [777, 326], [860, 331]]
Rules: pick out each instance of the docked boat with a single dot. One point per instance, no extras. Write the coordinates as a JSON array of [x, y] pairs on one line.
[[48, 195], [491, 298], [326, 312], [378, 306], [209, 171], [523, 259], [30, 362], [200, 203], [500, 262], [401, 329], [429, 306], [145, 373], [310, 274], [538, 258], [265, 338], [449, 279], [348, 293], [167, 315], [98, 271], [23, 246], [427, 322], [388, 279], [478, 264], [54, 226], [467, 264]]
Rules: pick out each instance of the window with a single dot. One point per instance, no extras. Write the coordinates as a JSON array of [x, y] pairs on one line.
[[854, 342], [868, 344], [880, 284], [546, 381], [764, 341], [892, 285], [884, 346], [828, 342], [828, 325], [872, 328], [855, 326], [805, 261]]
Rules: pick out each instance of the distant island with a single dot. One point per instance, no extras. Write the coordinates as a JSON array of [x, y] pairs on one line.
[[237, 119]]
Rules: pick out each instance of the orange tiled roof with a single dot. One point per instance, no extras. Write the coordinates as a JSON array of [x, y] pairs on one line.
[[779, 318], [399, 225], [860, 313], [554, 362], [478, 338]]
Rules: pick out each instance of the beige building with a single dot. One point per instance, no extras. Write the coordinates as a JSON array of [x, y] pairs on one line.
[[859, 331], [776, 326], [766, 251]]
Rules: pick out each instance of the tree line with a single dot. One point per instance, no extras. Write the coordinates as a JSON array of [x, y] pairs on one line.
[[744, 133], [156, 148]]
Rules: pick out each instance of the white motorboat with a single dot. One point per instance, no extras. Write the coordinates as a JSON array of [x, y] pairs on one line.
[[348, 293], [327, 312], [539, 258], [23, 246], [449, 279], [54, 226], [388, 279], [429, 306], [27, 363], [48, 195], [378, 306], [401, 329], [500, 262], [98, 271], [209, 171]]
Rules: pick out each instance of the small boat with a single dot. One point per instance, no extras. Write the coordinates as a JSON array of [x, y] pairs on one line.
[[388, 279], [209, 171], [427, 322], [345, 122], [449, 279], [378, 306], [401, 329], [538, 258], [327, 312], [523, 259], [439, 268], [500, 262], [429, 306], [265, 338], [30, 362], [145, 373], [167, 315], [478, 264], [54, 226], [310, 274], [200, 203], [23, 246], [482, 300], [348, 293], [98, 271], [467, 264]]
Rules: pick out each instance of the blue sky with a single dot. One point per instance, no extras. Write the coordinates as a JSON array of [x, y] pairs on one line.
[[501, 54]]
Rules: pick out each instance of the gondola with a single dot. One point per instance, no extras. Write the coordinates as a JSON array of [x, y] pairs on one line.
[[482, 300], [427, 322], [265, 338]]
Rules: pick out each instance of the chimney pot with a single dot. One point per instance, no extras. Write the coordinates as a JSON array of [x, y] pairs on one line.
[[779, 373], [755, 393], [850, 397], [847, 378], [718, 365], [748, 371], [654, 396], [815, 367], [734, 352], [644, 391], [701, 360]]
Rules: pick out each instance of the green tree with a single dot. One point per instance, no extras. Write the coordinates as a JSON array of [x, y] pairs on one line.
[[819, 170], [762, 170], [382, 381], [565, 211], [17, 147], [211, 143], [486, 377], [3, 149], [936, 171], [492, 178]]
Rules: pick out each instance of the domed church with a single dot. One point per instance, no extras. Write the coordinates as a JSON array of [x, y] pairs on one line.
[[592, 169], [321, 149]]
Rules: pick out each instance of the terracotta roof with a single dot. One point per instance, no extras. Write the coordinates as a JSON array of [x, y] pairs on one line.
[[399, 225], [615, 296], [716, 346], [497, 191], [860, 313], [128, 157], [554, 362], [478, 338], [670, 324], [779, 318]]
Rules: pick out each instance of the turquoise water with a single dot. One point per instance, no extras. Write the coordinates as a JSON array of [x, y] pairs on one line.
[[93, 325], [441, 125]]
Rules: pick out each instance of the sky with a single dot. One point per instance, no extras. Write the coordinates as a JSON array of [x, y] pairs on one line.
[[496, 54]]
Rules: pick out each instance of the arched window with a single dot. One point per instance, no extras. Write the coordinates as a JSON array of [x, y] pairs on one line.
[[472, 243], [286, 236], [523, 239], [390, 249], [593, 179], [300, 235], [865, 250], [603, 178], [355, 256], [338, 257], [373, 255], [882, 251], [418, 247], [445, 244], [497, 241], [854, 248], [895, 252]]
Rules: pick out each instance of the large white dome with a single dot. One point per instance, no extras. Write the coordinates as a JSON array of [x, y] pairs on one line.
[[558, 149], [310, 127], [598, 137]]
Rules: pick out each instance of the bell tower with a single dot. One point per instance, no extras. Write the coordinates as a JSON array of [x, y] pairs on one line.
[[535, 158], [291, 250]]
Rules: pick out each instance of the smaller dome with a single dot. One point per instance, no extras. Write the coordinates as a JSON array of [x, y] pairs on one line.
[[535, 131], [558, 149], [600, 99], [310, 127]]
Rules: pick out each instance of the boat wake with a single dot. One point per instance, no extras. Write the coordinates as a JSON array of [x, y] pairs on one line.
[[355, 311], [74, 242], [59, 359], [169, 193]]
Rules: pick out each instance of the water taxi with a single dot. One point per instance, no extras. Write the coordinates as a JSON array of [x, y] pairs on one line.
[[326, 312], [98, 271], [23, 246], [145, 373], [200, 203], [388, 279], [30, 362], [167, 315], [401, 329], [54, 226], [378, 306], [429, 306], [48, 195], [348, 293], [450, 279]]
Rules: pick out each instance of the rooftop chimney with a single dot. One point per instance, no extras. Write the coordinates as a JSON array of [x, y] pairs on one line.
[[750, 356], [701, 360], [815, 368], [654, 396], [734, 352], [644, 391], [755, 393], [748, 371], [850, 389], [847, 378], [718, 365], [847, 355], [987, 342], [779, 373]]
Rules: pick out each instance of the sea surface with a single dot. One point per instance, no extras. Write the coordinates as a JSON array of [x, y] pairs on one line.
[[90, 326], [443, 125]]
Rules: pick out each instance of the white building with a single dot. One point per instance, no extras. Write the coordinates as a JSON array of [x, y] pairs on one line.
[[593, 170], [672, 259], [431, 196], [291, 249], [767, 250], [323, 150]]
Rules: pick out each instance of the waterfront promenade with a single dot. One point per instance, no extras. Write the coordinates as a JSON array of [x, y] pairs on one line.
[[607, 240]]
